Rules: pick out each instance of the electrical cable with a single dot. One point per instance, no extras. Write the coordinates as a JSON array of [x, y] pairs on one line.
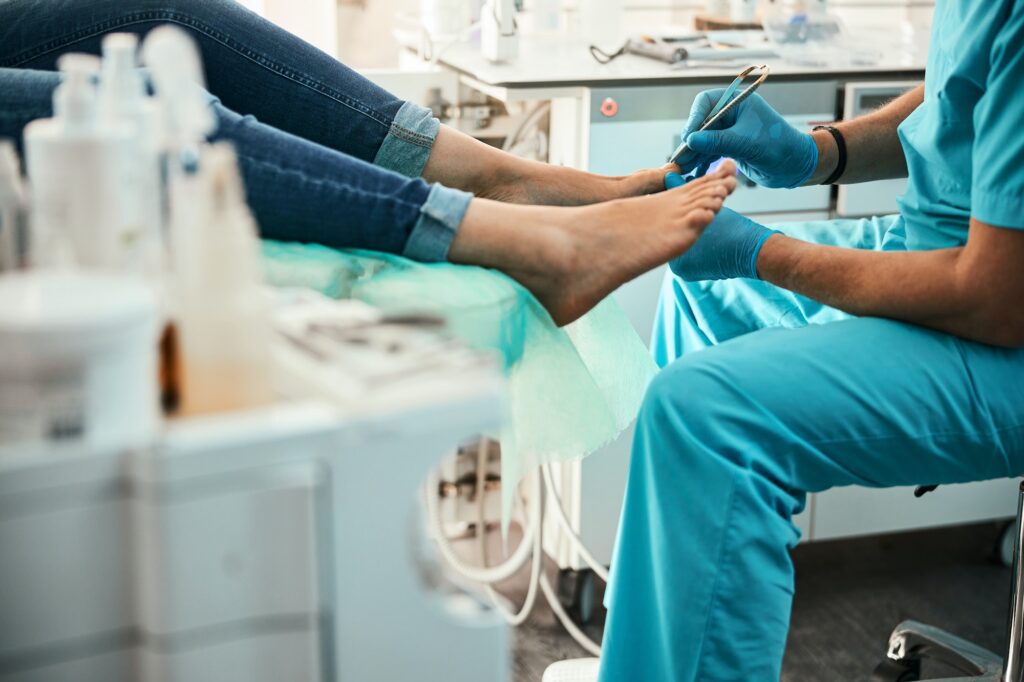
[[481, 492], [563, 521], [461, 36], [602, 57], [574, 630], [531, 546], [536, 573], [492, 574], [531, 120]]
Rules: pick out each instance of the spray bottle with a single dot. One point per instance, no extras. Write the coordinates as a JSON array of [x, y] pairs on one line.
[[176, 69], [80, 178], [220, 341], [177, 72], [223, 312], [12, 208]]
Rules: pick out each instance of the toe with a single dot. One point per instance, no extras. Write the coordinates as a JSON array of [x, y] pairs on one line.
[[728, 167], [699, 218]]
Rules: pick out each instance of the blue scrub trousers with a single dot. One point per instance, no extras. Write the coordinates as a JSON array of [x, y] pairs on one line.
[[764, 397]]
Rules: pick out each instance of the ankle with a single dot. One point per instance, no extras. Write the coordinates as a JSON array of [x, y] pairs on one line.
[[505, 182]]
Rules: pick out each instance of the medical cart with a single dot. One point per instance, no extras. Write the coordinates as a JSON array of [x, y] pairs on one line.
[[282, 543]]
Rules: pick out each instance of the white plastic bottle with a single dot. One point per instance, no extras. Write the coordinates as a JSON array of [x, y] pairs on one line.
[[123, 105], [186, 118], [80, 175], [222, 309], [173, 59], [12, 208]]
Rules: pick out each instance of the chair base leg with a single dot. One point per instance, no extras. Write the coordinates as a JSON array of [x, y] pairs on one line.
[[911, 642]]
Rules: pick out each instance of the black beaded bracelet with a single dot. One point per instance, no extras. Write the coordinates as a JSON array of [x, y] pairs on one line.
[[841, 147]]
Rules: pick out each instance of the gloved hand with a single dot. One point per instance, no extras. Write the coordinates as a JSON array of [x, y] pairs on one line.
[[766, 149], [728, 247]]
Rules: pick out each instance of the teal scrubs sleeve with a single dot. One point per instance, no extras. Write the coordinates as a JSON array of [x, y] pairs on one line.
[[997, 192]]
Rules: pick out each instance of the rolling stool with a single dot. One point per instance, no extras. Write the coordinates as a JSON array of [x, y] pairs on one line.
[[911, 642]]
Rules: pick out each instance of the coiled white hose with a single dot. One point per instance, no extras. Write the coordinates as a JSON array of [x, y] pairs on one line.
[[530, 547], [563, 521]]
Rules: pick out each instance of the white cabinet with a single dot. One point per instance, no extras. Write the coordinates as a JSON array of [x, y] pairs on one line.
[[64, 525], [281, 544]]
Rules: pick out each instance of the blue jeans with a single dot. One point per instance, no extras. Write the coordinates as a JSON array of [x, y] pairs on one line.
[[764, 397], [326, 155]]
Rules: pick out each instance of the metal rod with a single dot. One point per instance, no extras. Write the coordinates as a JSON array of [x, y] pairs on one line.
[[1013, 668]]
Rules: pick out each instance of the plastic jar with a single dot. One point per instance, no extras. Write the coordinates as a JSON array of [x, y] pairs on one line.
[[77, 360]]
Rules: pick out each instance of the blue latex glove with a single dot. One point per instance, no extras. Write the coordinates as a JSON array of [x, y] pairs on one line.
[[765, 147], [728, 248]]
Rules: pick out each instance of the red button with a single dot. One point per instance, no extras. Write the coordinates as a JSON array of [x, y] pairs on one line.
[[609, 107]]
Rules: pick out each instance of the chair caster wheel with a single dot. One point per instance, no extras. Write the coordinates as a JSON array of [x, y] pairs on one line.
[[1004, 546], [897, 671], [576, 593]]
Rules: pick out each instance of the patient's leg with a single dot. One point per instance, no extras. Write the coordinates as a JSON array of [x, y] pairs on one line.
[[569, 257], [255, 67], [458, 160]]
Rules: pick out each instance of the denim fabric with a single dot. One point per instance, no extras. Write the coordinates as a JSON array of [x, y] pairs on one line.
[[298, 190], [439, 221], [407, 146], [252, 65], [310, 131]]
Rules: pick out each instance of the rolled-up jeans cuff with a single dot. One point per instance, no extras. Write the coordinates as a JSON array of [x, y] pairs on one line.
[[407, 145], [439, 220]]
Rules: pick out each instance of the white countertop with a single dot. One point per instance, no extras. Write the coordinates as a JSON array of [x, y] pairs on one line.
[[562, 62]]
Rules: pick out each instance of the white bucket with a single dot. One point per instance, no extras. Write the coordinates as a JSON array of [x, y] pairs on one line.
[[77, 360]]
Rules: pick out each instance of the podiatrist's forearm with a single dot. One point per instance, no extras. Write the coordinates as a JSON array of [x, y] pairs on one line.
[[873, 149], [946, 289]]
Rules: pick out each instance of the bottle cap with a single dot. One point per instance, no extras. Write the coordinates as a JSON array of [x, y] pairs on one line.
[[176, 66], [74, 100], [121, 86]]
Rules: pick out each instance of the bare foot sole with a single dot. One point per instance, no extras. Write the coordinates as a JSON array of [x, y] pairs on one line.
[[571, 258]]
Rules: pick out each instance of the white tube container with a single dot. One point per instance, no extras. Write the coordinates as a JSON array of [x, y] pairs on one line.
[[81, 178], [78, 362]]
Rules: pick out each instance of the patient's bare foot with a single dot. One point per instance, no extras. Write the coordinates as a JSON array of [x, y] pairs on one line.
[[571, 258], [457, 160], [544, 184]]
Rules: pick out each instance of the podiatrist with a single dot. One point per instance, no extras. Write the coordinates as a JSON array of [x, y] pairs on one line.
[[879, 352]]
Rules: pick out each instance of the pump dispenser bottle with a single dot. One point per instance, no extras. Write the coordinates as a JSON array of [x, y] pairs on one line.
[[80, 178], [123, 105], [223, 312]]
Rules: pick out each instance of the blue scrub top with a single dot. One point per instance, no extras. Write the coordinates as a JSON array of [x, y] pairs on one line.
[[965, 143]]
